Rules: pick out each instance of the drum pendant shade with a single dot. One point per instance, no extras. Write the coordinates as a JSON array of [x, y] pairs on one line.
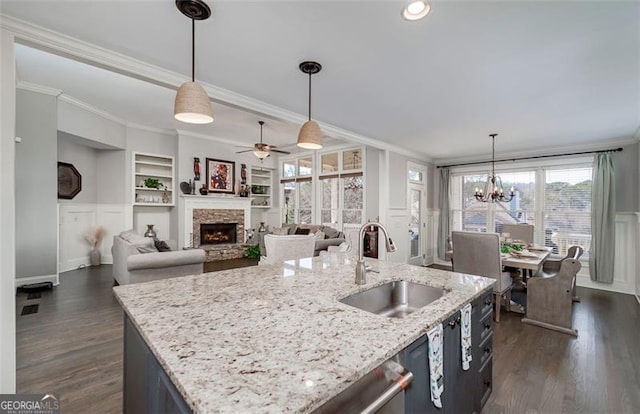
[[192, 104]]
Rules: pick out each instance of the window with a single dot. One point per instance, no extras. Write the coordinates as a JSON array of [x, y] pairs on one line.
[[297, 191], [567, 208], [555, 199], [335, 179]]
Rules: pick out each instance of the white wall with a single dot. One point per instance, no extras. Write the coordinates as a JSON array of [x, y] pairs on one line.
[[7, 215], [36, 187], [372, 184], [627, 178], [84, 123], [396, 213]]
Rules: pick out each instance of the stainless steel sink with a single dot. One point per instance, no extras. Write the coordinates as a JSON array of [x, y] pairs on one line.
[[394, 299]]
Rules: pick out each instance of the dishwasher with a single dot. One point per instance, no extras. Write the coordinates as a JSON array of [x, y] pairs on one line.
[[381, 391]]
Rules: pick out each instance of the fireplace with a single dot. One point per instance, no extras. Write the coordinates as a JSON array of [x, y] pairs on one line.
[[218, 233]]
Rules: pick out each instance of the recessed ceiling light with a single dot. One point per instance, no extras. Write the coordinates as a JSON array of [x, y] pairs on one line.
[[416, 10]]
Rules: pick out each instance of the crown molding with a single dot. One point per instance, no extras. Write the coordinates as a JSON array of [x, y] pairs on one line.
[[162, 131], [594, 146], [227, 141], [90, 108], [60, 44], [34, 87]]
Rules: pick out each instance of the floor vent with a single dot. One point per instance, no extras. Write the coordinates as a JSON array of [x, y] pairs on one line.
[[29, 309], [34, 295]]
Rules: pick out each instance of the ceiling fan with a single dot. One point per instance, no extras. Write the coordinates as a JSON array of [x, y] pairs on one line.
[[262, 150]]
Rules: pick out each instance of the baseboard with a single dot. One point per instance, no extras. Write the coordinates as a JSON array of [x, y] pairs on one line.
[[106, 259], [74, 264], [638, 298], [37, 279], [585, 281]]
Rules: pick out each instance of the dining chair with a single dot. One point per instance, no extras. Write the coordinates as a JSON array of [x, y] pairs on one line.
[[479, 254], [287, 247], [523, 232], [549, 299], [552, 266]]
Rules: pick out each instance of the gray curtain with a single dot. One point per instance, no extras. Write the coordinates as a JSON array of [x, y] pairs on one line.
[[603, 219], [443, 205]]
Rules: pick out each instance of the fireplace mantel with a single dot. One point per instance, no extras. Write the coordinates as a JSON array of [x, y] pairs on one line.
[[188, 203]]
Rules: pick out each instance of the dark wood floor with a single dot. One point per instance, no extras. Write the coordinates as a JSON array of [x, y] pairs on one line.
[[73, 346]]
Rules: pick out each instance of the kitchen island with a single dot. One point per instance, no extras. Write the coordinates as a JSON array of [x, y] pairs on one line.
[[274, 339]]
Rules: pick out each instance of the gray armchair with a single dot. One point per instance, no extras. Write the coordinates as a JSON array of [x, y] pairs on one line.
[[549, 299], [479, 254]]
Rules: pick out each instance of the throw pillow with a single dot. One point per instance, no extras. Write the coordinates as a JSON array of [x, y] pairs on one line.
[[162, 245], [330, 232], [319, 235], [280, 231], [302, 231]]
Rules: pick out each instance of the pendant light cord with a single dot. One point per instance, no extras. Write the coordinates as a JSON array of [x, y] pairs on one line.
[[309, 96], [193, 49]]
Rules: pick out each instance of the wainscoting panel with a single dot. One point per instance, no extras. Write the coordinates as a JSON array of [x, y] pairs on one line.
[[626, 260], [75, 220], [397, 224]]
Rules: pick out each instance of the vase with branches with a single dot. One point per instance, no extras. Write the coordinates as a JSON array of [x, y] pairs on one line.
[[94, 236]]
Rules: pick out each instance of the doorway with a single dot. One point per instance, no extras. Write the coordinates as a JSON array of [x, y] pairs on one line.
[[416, 192]]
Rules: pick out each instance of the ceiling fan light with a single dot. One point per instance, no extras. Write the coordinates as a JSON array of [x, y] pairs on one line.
[[192, 104], [310, 136], [261, 154]]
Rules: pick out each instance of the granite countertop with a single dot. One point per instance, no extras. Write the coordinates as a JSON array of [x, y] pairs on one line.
[[274, 339]]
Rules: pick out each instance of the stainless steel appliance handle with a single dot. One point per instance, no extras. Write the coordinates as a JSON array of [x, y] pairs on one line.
[[398, 385]]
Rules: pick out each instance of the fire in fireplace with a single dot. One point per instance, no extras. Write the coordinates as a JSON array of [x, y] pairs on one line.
[[218, 233]]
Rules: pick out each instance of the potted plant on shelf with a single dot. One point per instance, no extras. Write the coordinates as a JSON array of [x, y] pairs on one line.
[[153, 183]]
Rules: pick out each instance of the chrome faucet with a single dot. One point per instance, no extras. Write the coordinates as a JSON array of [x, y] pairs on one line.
[[361, 269]]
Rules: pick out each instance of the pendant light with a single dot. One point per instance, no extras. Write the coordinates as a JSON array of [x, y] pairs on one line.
[[310, 136], [192, 103]]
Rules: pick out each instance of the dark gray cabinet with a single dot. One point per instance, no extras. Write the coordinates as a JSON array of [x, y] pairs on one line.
[[147, 388], [465, 392]]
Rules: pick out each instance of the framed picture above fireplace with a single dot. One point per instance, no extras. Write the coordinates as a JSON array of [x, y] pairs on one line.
[[221, 176]]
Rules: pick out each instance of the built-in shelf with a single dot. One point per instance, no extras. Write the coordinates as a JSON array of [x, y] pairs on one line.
[[260, 185], [160, 167]]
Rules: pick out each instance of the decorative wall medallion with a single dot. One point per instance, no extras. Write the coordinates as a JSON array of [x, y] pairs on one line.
[[69, 181]]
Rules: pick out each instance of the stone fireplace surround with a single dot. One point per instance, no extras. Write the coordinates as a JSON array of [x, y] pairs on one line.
[[215, 209]]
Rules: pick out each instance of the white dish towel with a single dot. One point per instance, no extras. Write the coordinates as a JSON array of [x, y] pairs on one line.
[[436, 369], [465, 335]]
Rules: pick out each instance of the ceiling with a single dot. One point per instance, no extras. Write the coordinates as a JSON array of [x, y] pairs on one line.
[[138, 102], [541, 74]]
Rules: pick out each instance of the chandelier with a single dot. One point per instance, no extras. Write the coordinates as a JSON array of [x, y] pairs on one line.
[[493, 190]]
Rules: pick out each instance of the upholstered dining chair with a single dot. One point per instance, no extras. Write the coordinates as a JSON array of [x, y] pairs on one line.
[[551, 267], [287, 247], [523, 232], [549, 299], [479, 254]]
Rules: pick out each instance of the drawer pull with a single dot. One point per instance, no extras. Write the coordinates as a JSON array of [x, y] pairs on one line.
[[487, 326], [487, 302], [487, 350], [487, 383]]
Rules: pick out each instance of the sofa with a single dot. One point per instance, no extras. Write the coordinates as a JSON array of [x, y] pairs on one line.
[[136, 259], [328, 237]]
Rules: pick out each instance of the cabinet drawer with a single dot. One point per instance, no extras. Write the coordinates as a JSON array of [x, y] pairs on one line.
[[486, 349], [485, 378], [485, 304], [485, 327]]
